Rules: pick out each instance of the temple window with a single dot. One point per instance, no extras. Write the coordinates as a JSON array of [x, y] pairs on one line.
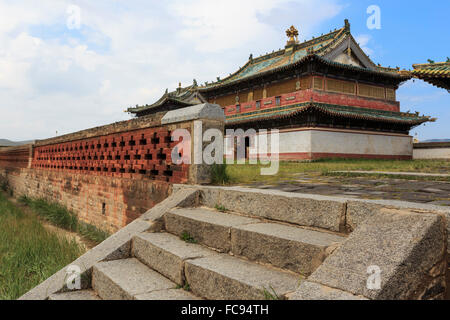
[[318, 83], [278, 101], [371, 91], [340, 86], [390, 94]]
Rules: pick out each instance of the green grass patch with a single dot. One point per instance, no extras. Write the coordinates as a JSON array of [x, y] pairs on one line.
[[92, 233], [54, 213], [60, 216], [219, 174], [4, 186], [288, 170], [186, 287], [186, 237], [221, 208], [270, 294], [29, 254]]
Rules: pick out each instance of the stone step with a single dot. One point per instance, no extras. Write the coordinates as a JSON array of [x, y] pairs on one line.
[[78, 295], [206, 226], [127, 279], [169, 294], [167, 254], [309, 210], [224, 277], [236, 278], [287, 247], [284, 246]]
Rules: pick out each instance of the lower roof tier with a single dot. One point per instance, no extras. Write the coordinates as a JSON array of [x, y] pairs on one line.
[[331, 111]]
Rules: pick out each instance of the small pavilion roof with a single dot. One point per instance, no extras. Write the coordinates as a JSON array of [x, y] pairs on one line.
[[183, 97]]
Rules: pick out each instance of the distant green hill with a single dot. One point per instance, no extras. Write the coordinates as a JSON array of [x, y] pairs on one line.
[[9, 143]]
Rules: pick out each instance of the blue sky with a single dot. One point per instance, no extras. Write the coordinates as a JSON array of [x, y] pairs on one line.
[[58, 79]]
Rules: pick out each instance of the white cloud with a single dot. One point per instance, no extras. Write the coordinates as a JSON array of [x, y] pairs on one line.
[[127, 53], [363, 40], [218, 25], [215, 25]]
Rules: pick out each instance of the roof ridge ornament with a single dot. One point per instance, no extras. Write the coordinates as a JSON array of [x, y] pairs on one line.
[[347, 25], [292, 34]]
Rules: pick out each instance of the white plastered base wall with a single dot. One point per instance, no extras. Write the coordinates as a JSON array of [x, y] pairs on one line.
[[304, 144]]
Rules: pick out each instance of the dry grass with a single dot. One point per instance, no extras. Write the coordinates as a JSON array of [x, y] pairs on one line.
[[29, 253]]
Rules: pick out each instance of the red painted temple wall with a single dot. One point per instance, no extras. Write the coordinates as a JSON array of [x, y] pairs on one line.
[[316, 96]]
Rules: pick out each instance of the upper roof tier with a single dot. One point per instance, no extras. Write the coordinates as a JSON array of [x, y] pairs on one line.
[[337, 47]]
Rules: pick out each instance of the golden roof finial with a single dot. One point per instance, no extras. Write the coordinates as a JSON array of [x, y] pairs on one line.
[[292, 34]]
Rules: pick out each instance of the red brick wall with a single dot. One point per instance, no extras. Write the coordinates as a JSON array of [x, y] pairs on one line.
[[108, 175], [138, 154], [15, 157], [105, 201]]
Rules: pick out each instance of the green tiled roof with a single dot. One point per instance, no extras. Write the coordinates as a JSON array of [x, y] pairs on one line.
[[334, 110], [290, 56], [281, 58], [441, 69], [183, 96], [437, 74]]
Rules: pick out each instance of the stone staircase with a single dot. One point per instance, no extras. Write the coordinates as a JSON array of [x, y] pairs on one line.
[[203, 253], [221, 243]]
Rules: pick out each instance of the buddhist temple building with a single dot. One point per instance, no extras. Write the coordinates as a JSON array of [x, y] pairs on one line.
[[326, 97]]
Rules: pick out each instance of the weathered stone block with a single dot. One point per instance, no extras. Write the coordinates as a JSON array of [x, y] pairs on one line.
[[125, 279], [305, 210], [407, 247], [314, 291], [166, 254], [79, 295], [283, 246], [224, 277], [358, 212], [167, 295], [206, 111], [205, 226]]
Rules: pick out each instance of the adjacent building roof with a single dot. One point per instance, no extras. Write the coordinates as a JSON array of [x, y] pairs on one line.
[[437, 74], [183, 97]]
